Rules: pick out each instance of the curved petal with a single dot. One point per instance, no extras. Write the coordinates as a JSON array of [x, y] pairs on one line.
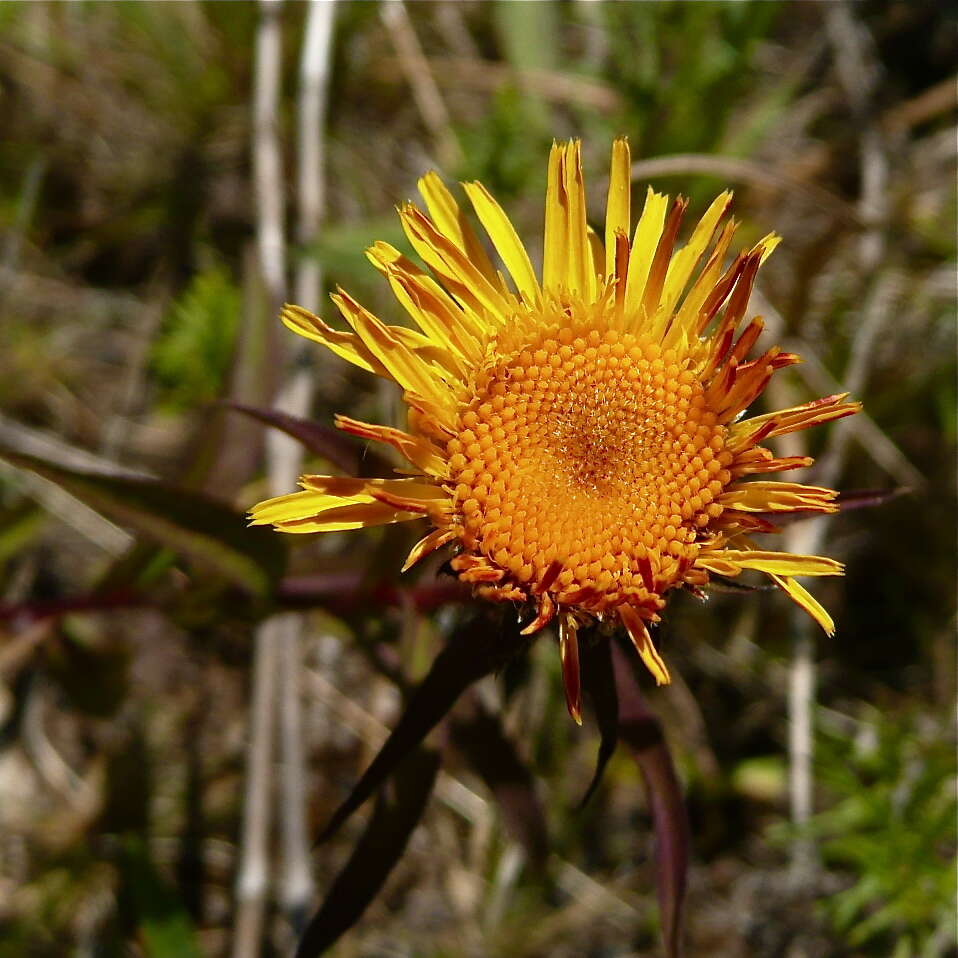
[[648, 231], [346, 345], [805, 600], [316, 511], [446, 214], [642, 641], [773, 563], [773, 496], [618, 211], [506, 241]]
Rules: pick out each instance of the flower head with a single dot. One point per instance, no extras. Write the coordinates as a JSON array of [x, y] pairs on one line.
[[578, 440]]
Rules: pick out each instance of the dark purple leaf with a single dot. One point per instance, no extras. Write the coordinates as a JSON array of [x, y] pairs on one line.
[[398, 810], [479, 736], [641, 731], [481, 647], [866, 498], [209, 532], [847, 501], [598, 682], [325, 441]]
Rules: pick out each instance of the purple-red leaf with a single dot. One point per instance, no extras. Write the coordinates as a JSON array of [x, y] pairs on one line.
[[641, 731], [209, 532], [476, 650], [398, 810], [325, 441], [847, 501], [598, 681], [478, 734], [866, 498]]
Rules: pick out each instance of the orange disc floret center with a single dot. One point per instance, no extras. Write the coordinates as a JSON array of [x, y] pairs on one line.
[[586, 465]]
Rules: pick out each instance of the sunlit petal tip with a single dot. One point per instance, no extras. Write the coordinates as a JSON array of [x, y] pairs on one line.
[[428, 544], [639, 634], [766, 246], [805, 600]]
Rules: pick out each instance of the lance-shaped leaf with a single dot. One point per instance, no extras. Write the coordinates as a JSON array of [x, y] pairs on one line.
[[344, 452], [399, 808], [847, 502], [641, 731], [476, 650], [479, 735], [868, 498], [192, 524], [598, 681]]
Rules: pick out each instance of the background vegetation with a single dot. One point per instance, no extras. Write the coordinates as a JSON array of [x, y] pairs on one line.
[[131, 300]]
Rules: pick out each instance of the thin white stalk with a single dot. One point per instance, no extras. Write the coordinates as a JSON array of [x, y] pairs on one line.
[[254, 870], [253, 879], [296, 880], [267, 154], [856, 71], [313, 98]]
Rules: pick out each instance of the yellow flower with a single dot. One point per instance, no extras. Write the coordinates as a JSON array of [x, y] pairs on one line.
[[578, 440]]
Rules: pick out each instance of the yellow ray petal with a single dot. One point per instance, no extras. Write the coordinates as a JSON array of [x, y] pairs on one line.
[[767, 245], [567, 257], [346, 345], [618, 207], [596, 259], [452, 222], [441, 361], [687, 318], [569, 657], [403, 364], [428, 543], [506, 241], [770, 496], [428, 303], [458, 273], [648, 231], [772, 424], [684, 262], [800, 595], [773, 563], [658, 271], [312, 511], [411, 495], [760, 460], [555, 245], [642, 641], [420, 452], [581, 269]]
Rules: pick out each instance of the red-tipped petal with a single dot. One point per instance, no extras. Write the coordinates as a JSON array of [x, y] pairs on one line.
[[547, 609], [569, 654], [642, 641]]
